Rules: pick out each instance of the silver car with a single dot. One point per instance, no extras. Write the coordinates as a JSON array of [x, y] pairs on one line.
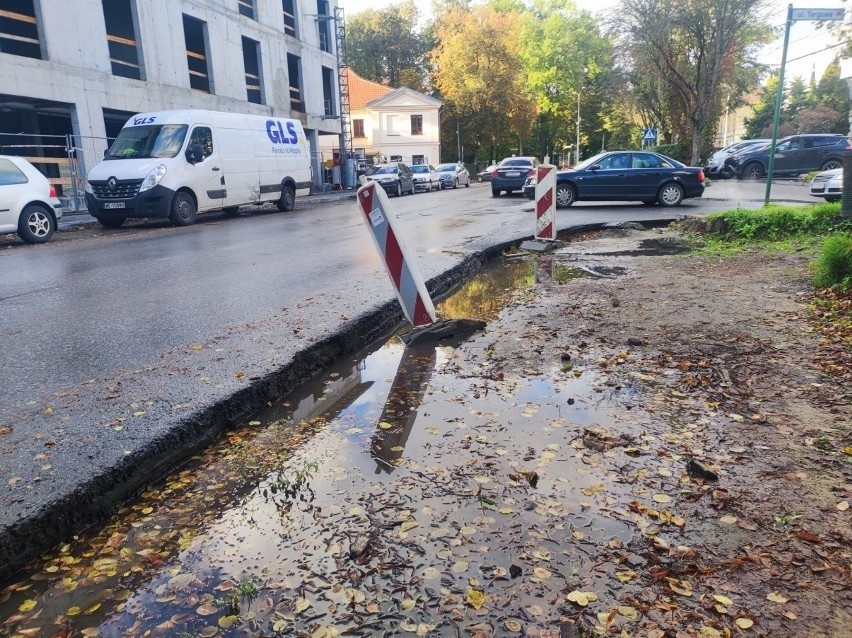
[[426, 178], [828, 184], [453, 175], [28, 202]]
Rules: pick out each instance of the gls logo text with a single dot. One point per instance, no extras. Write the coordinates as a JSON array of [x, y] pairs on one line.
[[137, 121], [277, 135]]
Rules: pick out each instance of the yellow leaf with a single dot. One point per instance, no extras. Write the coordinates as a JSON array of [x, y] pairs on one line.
[[739, 418], [302, 604], [842, 506], [512, 625], [744, 623], [408, 525], [27, 605], [475, 598], [682, 587], [147, 510], [728, 519], [591, 490], [727, 602], [662, 498], [73, 611], [226, 622], [582, 598], [506, 510], [625, 576], [93, 608], [775, 597], [207, 610], [407, 604], [385, 425], [52, 569], [628, 612], [541, 573], [847, 450], [433, 430], [139, 413]]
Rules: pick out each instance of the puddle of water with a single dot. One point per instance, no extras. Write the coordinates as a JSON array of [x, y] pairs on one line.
[[374, 500]]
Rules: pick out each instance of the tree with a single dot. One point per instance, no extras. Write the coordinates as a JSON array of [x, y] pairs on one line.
[[822, 119], [764, 110], [385, 46], [833, 93], [476, 72], [696, 47]]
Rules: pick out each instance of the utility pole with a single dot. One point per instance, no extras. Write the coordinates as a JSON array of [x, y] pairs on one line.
[[578, 130], [458, 140]]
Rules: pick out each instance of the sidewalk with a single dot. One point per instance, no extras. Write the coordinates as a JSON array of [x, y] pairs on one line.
[[79, 218]]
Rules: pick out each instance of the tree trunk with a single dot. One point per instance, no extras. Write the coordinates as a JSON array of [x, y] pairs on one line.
[[695, 160]]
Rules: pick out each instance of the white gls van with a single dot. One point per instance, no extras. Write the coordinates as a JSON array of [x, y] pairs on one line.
[[177, 163]]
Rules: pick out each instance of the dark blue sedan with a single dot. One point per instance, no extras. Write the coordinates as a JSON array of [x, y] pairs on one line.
[[627, 176]]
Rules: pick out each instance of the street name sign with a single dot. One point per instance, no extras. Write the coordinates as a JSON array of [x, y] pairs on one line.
[[817, 14]]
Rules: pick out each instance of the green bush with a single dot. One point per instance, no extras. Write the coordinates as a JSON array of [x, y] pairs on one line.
[[834, 266], [777, 221]]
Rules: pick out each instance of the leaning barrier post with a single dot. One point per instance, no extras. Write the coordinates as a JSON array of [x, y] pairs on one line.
[[402, 270], [545, 203]]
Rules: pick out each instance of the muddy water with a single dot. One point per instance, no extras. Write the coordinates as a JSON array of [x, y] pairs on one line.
[[400, 492]]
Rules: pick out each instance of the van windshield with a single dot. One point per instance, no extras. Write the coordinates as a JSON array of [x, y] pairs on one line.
[[157, 140]]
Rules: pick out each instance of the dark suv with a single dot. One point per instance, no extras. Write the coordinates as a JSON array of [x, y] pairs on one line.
[[794, 155]]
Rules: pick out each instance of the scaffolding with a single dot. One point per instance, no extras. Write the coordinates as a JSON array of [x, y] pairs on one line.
[[347, 159]]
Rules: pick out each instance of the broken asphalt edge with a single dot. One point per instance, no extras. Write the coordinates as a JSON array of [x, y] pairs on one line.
[[76, 506]]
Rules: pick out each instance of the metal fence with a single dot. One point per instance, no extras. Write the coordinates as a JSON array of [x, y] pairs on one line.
[[63, 159]]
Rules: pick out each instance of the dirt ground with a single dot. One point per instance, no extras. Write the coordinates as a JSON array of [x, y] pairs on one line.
[[748, 397]]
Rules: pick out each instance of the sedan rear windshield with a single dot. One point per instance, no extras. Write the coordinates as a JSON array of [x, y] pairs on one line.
[[159, 140], [382, 170], [516, 162], [445, 168], [420, 169]]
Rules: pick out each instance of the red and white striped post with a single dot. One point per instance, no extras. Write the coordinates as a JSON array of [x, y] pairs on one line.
[[384, 229], [545, 202]]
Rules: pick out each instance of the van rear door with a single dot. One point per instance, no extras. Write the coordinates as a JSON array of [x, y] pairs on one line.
[[206, 177]]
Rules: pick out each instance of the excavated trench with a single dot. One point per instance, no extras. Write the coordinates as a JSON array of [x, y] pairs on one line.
[[361, 500]]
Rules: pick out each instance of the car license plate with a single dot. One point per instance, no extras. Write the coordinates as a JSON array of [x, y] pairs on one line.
[[111, 205], [513, 174]]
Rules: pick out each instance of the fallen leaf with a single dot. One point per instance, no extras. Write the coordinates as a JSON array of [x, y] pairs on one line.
[[728, 519], [775, 597], [582, 598], [512, 625], [226, 622], [662, 498], [301, 605], [591, 490], [808, 536], [27, 605], [744, 623], [628, 612], [682, 587], [727, 602], [842, 506], [475, 598]]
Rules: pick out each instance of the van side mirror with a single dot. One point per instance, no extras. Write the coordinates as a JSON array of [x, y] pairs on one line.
[[106, 150], [194, 154]]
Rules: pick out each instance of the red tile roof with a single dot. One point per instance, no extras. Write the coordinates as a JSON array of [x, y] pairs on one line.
[[362, 91]]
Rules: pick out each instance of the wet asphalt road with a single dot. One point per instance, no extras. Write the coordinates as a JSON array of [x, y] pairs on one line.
[[114, 338]]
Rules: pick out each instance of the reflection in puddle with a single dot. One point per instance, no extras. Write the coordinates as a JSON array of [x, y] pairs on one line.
[[370, 500]]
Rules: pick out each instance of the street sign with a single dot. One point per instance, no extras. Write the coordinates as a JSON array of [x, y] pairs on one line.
[[649, 134], [817, 14]]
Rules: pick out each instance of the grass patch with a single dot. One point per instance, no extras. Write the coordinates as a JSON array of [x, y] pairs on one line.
[[776, 222], [834, 266]]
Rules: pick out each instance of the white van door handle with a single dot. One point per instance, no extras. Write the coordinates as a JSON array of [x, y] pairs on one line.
[[215, 168]]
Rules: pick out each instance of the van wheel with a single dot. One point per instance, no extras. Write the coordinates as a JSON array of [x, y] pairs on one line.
[[288, 199], [36, 224], [111, 222], [183, 210]]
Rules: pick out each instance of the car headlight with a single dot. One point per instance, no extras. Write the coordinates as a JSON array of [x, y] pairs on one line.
[[153, 178], [88, 188]]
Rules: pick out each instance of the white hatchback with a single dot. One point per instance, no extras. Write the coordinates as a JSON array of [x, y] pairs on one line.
[[828, 184], [28, 202]]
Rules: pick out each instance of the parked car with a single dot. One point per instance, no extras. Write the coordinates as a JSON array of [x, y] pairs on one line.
[[28, 202], [453, 175], [426, 178], [485, 175], [629, 175], [828, 184], [716, 165], [396, 178], [511, 173], [794, 155]]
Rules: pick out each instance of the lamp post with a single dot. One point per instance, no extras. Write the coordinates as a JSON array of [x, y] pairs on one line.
[[577, 161]]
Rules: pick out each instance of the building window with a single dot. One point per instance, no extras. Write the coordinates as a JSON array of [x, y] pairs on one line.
[[417, 125], [194, 32], [328, 91], [120, 24], [418, 159], [289, 7], [324, 24], [358, 128], [251, 63], [294, 71], [395, 158], [246, 8], [19, 29]]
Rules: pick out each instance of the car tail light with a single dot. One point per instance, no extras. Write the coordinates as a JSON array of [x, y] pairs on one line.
[[700, 176], [52, 190]]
